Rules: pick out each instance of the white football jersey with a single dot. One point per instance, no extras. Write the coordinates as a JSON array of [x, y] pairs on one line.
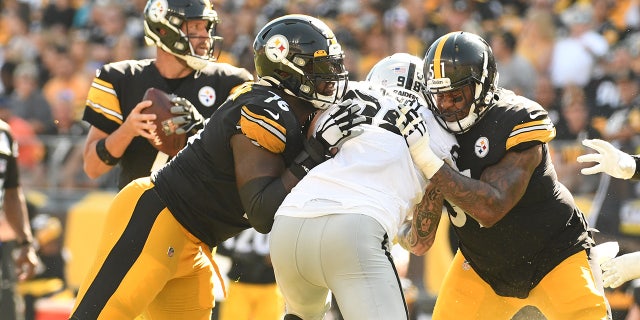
[[372, 174]]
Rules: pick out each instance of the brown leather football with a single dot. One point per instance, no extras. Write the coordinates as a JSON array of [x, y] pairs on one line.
[[166, 139]]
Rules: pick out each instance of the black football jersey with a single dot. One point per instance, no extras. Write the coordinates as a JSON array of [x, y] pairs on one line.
[[544, 227], [119, 86], [9, 172], [199, 185]]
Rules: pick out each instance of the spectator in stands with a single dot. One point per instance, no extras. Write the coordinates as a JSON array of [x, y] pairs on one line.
[[516, 72], [28, 102], [575, 56], [58, 14], [547, 96], [539, 32], [573, 127], [29, 146], [66, 89]]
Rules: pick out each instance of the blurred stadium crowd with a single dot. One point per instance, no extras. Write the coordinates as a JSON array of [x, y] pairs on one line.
[[580, 59]]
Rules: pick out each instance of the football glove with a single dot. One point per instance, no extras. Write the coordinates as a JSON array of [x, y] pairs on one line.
[[335, 126], [416, 134], [609, 160], [621, 269], [339, 124], [187, 117]]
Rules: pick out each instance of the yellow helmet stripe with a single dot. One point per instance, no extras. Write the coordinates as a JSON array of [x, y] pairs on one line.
[[437, 70]]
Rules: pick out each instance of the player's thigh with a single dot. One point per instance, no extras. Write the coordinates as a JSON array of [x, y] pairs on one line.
[[359, 268], [295, 249], [112, 289], [189, 292], [569, 291], [464, 295]]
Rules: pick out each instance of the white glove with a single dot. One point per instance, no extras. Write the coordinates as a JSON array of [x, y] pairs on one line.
[[186, 117], [416, 134], [621, 269], [339, 123], [610, 160]]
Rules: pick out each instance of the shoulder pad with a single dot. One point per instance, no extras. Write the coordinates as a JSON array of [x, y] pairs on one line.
[[266, 120]]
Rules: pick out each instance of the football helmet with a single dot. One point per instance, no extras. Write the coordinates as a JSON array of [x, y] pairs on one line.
[[163, 20], [301, 55], [402, 73], [452, 62]]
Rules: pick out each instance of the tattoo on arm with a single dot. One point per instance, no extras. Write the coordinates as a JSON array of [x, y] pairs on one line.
[[426, 217], [497, 191]]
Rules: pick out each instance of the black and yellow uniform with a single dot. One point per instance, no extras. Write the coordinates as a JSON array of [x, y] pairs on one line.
[[159, 231], [9, 176], [119, 86], [537, 251]]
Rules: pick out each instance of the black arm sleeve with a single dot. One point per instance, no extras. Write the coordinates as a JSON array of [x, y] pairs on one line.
[[261, 198]]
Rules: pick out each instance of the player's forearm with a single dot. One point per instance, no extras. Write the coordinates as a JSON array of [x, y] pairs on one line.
[[16, 211], [417, 235], [477, 198], [100, 159]]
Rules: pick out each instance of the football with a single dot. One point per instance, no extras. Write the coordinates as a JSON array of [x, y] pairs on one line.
[[166, 140]]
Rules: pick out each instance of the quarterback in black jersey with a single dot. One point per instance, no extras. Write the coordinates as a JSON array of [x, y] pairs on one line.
[[522, 239], [155, 254], [184, 33]]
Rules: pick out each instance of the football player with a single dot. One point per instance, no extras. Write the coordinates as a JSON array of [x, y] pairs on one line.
[[155, 253], [618, 164], [333, 232], [522, 239], [18, 257], [185, 65]]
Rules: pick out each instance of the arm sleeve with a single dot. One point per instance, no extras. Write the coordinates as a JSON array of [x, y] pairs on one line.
[[261, 198]]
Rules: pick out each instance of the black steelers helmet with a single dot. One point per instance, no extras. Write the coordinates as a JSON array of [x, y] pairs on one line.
[[456, 60], [298, 53], [162, 22]]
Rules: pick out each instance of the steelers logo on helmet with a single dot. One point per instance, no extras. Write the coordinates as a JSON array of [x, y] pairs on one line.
[[277, 48], [157, 10]]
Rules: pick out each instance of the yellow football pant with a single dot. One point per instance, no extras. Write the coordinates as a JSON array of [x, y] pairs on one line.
[[247, 301], [567, 292], [146, 263]]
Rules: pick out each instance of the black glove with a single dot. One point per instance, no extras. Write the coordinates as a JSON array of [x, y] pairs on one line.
[[336, 125], [187, 118]]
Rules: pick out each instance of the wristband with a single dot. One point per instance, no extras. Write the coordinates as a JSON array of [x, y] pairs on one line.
[[424, 157], [104, 155], [636, 174]]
